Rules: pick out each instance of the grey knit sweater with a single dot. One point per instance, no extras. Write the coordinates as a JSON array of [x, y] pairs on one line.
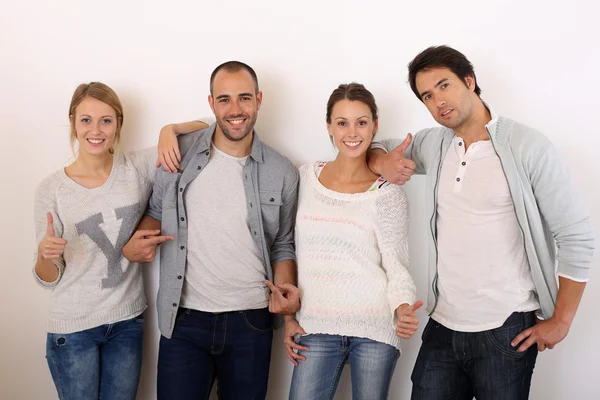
[[96, 285]]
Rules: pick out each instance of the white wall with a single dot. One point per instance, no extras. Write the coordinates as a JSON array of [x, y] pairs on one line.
[[537, 61]]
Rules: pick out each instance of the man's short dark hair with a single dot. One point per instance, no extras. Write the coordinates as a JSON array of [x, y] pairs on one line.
[[233, 66], [440, 57]]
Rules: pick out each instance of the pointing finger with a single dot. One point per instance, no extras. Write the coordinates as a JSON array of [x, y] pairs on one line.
[[156, 240], [142, 233], [274, 289]]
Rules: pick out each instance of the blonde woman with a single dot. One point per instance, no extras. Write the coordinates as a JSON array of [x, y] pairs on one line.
[[84, 214]]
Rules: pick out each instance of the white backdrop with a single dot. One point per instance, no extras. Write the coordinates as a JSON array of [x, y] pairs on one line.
[[536, 61]]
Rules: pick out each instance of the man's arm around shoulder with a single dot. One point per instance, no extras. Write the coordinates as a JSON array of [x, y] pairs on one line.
[[391, 160]]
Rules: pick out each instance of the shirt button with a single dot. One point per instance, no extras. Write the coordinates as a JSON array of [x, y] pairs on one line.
[[463, 163], [206, 153], [179, 276], [182, 219], [174, 304], [457, 179], [271, 199], [182, 247], [460, 143], [181, 189], [199, 168], [254, 233], [250, 205]]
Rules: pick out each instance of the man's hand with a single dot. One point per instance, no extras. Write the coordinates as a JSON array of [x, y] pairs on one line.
[[293, 328], [51, 247], [393, 166], [284, 299], [168, 149], [142, 245], [408, 323], [546, 334]]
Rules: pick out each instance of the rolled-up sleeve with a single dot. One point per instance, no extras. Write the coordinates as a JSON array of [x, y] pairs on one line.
[[283, 247], [155, 204], [564, 211], [45, 201]]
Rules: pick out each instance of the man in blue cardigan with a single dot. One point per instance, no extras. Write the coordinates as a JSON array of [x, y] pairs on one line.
[[501, 202]]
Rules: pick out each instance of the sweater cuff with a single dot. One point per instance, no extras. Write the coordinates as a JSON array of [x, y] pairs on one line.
[[50, 285], [573, 278], [574, 273], [396, 300]]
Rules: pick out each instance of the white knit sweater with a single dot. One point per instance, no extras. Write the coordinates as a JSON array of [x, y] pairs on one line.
[[96, 284], [352, 252]]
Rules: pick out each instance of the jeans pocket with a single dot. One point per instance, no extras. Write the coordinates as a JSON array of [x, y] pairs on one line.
[[260, 320], [427, 329], [501, 338], [299, 338], [181, 313]]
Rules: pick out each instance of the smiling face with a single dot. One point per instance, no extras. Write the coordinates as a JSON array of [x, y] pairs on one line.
[[235, 103], [449, 99], [95, 124], [352, 127]]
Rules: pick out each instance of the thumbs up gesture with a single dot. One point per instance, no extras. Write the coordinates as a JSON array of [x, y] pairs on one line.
[[394, 166], [407, 319], [51, 247]]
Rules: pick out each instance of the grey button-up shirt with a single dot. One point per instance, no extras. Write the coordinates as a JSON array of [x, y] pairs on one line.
[[271, 187]]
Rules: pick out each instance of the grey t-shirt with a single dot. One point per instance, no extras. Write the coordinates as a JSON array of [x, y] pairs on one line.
[[271, 188], [224, 271]]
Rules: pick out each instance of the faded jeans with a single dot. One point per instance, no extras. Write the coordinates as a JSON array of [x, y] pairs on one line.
[[98, 363]]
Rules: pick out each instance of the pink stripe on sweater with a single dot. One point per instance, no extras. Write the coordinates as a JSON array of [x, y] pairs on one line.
[[335, 220]]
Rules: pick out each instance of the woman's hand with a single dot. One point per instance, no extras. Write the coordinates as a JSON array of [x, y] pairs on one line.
[[293, 328], [51, 247], [408, 322], [168, 149]]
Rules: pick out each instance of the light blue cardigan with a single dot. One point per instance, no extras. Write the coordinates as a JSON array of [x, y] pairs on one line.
[[549, 209]]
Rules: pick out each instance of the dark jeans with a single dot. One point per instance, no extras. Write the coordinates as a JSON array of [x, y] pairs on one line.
[[460, 365], [232, 347], [98, 363]]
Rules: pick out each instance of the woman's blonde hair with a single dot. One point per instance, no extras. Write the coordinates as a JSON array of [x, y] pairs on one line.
[[105, 94]]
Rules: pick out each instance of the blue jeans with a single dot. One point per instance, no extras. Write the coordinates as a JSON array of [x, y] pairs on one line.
[[460, 365], [232, 347], [98, 363], [371, 367]]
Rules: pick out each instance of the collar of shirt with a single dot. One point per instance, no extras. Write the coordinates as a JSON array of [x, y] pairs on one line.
[[477, 150], [257, 145], [492, 114]]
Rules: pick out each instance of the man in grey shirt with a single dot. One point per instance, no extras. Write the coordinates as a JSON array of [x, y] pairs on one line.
[[230, 209], [509, 237]]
